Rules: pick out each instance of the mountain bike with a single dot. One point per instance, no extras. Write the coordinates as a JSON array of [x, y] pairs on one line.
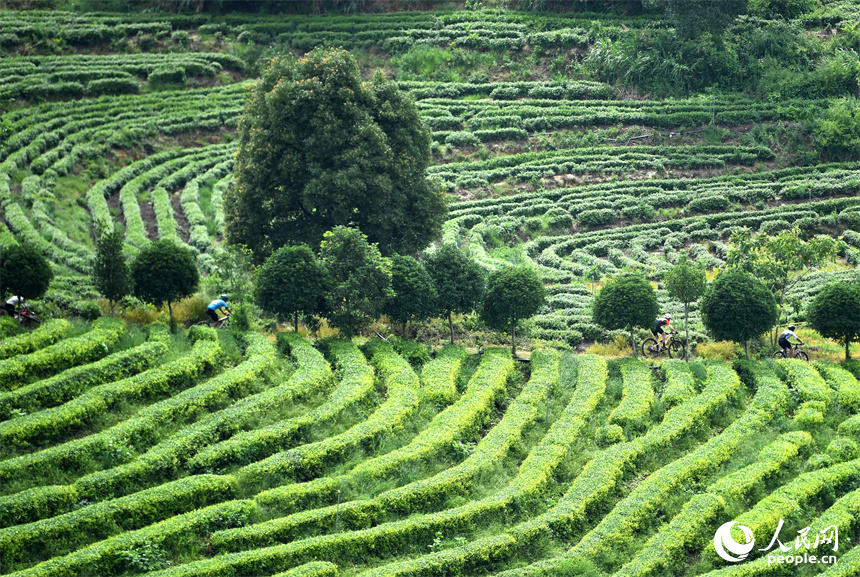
[[798, 354], [652, 348], [27, 318], [223, 323]]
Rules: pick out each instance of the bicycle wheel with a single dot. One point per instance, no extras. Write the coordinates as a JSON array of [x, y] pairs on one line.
[[802, 356], [676, 351], [29, 321], [780, 354], [650, 348]]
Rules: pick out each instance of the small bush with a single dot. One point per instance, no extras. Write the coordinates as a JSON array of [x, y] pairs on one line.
[[820, 461], [596, 217], [141, 314], [190, 308], [181, 38], [837, 131], [843, 449], [462, 138], [592, 332], [720, 350], [201, 333], [9, 39], [415, 353], [505, 93], [708, 204], [119, 85], [618, 347], [774, 227], [146, 42], [641, 211], [560, 221], [164, 75], [609, 435], [810, 414], [87, 310], [8, 327]]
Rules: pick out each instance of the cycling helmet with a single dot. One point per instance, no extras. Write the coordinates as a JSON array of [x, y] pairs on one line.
[[224, 298], [667, 316], [791, 327]]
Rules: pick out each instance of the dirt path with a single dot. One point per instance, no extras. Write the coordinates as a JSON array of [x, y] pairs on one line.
[[147, 213], [183, 228]]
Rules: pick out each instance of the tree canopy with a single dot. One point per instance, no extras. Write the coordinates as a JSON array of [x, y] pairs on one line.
[[626, 302], [686, 283], [164, 272], [835, 313], [319, 147], [24, 271], [459, 282], [111, 275], [782, 260], [360, 279], [414, 294], [290, 282], [513, 293], [738, 307]]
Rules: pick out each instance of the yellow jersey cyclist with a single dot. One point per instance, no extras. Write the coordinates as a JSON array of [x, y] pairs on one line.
[[784, 342], [659, 324], [218, 304]]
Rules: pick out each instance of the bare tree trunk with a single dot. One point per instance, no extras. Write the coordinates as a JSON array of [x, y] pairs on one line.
[[747, 349], [847, 351], [172, 320], [633, 343], [451, 326], [514, 340], [296, 322], [687, 335]]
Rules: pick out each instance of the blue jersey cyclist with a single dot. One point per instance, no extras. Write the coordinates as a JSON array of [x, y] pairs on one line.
[[218, 304], [785, 343], [658, 328]]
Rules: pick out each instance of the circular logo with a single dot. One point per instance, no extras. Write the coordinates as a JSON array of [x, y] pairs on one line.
[[724, 542]]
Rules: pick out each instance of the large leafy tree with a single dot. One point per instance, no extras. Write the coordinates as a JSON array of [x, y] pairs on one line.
[[780, 261], [738, 307], [686, 283], [164, 271], [110, 273], [24, 271], [459, 282], [414, 294], [835, 313], [360, 279], [319, 147], [626, 302], [513, 293], [290, 282]]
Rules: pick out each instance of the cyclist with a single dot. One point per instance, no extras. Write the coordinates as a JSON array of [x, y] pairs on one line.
[[218, 304], [788, 352], [658, 329], [14, 305]]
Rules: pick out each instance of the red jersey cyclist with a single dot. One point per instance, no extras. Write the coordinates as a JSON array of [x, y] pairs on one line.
[[658, 329]]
